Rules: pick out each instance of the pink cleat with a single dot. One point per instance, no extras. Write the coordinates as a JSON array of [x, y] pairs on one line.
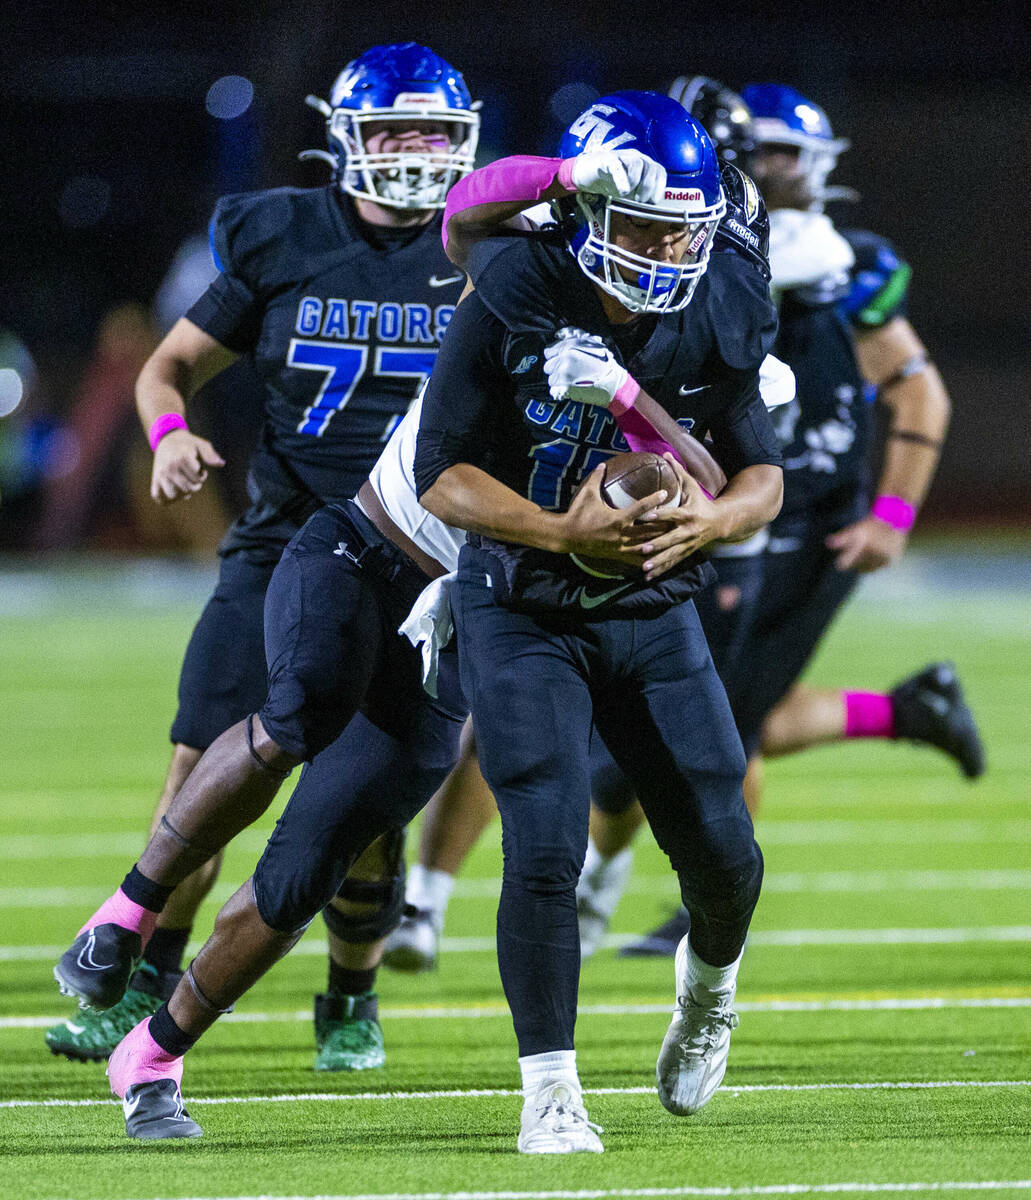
[[147, 1079], [97, 967]]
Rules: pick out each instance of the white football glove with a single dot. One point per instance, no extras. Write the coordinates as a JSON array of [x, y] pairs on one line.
[[579, 366], [620, 174]]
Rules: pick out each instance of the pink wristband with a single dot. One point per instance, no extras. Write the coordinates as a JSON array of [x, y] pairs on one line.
[[565, 174], [164, 424], [894, 511], [624, 396]]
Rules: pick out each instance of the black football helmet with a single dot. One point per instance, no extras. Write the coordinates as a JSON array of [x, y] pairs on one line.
[[722, 113], [745, 228]]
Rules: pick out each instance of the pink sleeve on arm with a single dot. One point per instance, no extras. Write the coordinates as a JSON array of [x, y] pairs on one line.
[[521, 177]]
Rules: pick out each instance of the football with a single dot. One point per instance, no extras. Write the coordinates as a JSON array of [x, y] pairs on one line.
[[629, 477]]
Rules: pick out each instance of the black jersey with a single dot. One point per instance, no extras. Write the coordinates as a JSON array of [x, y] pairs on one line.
[[488, 402], [827, 429], [342, 322]]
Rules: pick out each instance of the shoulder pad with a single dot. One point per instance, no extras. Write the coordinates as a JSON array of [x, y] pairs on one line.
[[743, 318], [247, 227], [519, 277], [879, 281]]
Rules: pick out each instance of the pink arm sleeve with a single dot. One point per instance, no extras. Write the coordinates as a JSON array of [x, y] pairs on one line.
[[522, 177]]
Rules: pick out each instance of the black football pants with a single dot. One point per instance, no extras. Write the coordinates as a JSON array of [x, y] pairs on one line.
[[649, 686]]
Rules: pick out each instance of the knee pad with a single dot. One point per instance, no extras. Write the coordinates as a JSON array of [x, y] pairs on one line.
[[387, 893]]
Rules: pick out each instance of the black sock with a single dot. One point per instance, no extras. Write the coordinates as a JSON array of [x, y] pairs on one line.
[[168, 1035], [145, 892], [346, 982], [166, 948]]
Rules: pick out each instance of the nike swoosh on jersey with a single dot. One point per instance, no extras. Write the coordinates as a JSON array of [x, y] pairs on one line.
[[87, 953], [691, 391], [589, 602], [436, 281]]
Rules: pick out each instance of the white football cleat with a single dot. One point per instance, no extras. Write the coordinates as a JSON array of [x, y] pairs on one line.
[[415, 943], [554, 1121], [693, 1058], [597, 895]]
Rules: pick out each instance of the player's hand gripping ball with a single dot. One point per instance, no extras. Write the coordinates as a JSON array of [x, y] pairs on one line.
[[628, 478]]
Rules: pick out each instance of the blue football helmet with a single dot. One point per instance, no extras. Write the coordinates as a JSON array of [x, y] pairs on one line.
[[405, 83], [662, 129], [784, 117]]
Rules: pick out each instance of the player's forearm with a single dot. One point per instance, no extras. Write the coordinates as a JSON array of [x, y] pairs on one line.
[[750, 500], [920, 409], [468, 498], [162, 387], [478, 205], [186, 358]]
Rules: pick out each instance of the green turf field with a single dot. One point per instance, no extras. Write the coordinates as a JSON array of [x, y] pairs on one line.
[[885, 998]]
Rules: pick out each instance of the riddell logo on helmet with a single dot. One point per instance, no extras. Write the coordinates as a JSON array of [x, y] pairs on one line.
[[692, 194], [415, 98]]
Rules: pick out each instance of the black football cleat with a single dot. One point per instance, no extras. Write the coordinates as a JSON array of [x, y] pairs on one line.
[[929, 708], [97, 967], [155, 1110], [661, 942]]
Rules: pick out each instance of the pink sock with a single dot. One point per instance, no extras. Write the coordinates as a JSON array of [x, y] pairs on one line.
[[120, 910], [869, 714], [139, 1059]]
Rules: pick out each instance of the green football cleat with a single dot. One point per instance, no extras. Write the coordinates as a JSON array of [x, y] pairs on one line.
[[91, 1036], [348, 1036]]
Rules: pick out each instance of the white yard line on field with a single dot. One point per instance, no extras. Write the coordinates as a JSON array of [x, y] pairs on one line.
[[481, 1011], [886, 1085], [766, 1189]]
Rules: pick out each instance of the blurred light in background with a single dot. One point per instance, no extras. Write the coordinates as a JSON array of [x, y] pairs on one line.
[[12, 388], [84, 201], [229, 97]]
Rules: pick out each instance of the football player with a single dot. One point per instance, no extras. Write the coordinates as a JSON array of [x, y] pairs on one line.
[[458, 814], [338, 297], [516, 416]]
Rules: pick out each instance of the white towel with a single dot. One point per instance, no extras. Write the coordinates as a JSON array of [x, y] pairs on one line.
[[429, 626]]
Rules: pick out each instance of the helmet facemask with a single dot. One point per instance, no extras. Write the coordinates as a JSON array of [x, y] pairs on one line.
[[642, 284], [401, 178]]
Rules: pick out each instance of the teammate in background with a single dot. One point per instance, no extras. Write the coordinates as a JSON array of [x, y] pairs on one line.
[[844, 333], [339, 297], [517, 413]]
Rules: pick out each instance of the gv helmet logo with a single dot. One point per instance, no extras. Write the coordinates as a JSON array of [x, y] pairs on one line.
[[592, 127]]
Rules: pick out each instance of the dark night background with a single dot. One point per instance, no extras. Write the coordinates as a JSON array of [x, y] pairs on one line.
[[112, 159]]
